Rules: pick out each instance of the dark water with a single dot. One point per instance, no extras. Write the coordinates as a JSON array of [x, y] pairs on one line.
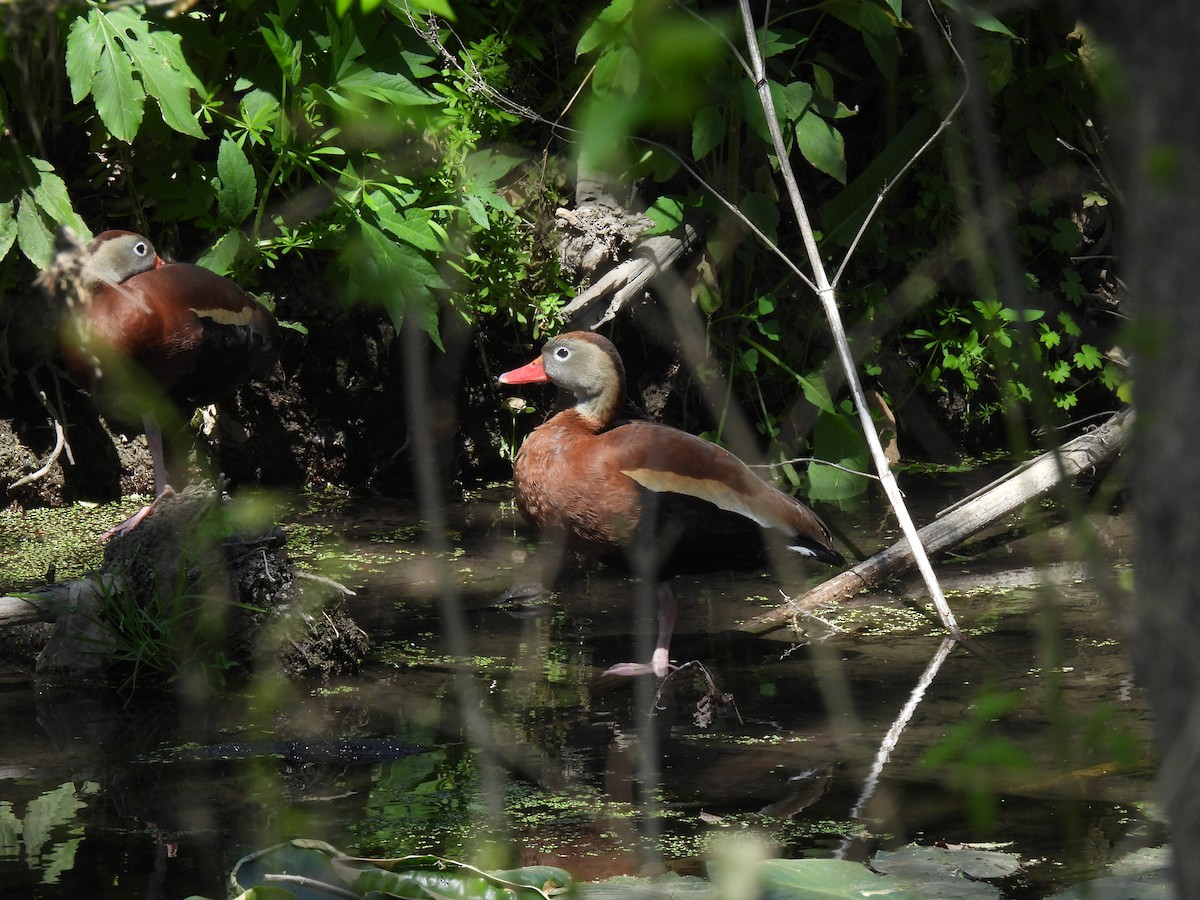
[[506, 747]]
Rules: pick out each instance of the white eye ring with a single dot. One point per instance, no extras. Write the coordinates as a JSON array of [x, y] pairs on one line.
[[562, 352], [140, 248]]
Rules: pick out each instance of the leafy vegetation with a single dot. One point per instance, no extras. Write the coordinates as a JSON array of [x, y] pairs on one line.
[[415, 166]]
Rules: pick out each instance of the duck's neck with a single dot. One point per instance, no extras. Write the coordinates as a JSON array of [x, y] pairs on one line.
[[600, 410], [598, 406]]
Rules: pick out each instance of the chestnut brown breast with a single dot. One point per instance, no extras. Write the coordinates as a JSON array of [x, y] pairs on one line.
[[196, 334], [644, 497]]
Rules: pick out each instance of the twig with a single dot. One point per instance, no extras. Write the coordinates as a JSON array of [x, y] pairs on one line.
[[60, 441], [812, 460], [828, 300]]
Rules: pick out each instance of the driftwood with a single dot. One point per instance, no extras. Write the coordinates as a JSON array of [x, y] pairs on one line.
[[965, 518], [627, 281]]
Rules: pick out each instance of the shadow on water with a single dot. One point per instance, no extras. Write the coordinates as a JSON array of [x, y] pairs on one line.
[[1033, 736]]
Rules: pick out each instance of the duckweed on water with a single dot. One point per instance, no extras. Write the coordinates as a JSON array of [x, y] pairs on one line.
[[40, 545], [406, 654]]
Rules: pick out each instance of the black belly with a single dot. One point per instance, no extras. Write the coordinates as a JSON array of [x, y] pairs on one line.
[[683, 535]]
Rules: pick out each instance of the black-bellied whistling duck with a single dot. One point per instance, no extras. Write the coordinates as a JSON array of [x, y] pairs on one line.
[[143, 330], [642, 497]]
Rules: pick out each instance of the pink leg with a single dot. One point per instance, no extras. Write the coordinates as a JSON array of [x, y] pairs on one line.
[[161, 488], [660, 663]]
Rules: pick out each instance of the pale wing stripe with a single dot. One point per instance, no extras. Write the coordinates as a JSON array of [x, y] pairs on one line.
[[715, 492], [226, 316]]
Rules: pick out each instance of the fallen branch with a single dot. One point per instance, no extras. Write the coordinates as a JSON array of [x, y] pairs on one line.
[[1034, 479], [628, 280]]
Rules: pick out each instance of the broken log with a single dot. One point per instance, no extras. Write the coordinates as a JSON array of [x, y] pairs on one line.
[[964, 519]]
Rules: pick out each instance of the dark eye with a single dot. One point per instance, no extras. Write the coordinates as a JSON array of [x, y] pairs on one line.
[[140, 248], [562, 353]]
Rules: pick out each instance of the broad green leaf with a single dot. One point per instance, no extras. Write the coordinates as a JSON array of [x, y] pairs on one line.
[[386, 87], [618, 71], [85, 45], [489, 166], [106, 49], [236, 185], [284, 49], [606, 24], [979, 18], [879, 34], [120, 99], [795, 879], [8, 228], [167, 78], [220, 256], [708, 131], [838, 441], [844, 213], [476, 210], [394, 275], [51, 196], [667, 215], [797, 97], [437, 7], [33, 236], [822, 145], [1089, 357], [414, 227]]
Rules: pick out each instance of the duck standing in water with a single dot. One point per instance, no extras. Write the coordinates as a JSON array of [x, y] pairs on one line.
[[645, 498]]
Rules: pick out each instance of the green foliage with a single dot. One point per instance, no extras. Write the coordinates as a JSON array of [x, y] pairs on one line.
[[114, 57], [333, 136], [337, 106], [156, 638]]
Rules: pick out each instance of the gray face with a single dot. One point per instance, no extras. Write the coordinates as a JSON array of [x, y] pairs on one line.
[[119, 258], [581, 368]]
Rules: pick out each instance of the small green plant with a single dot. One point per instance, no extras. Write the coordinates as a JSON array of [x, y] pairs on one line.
[[156, 638]]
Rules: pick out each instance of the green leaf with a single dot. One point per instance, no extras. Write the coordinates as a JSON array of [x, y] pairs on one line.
[[800, 878], [1049, 337], [1066, 401], [51, 196], [1060, 373], [120, 100], [979, 18], [618, 72], [1089, 357], [390, 88], [236, 184], [8, 228], [606, 25], [835, 439], [708, 131], [414, 226], [667, 215], [822, 145], [167, 78], [220, 256], [1068, 323], [33, 236], [395, 275], [105, 49], [879, 34]]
